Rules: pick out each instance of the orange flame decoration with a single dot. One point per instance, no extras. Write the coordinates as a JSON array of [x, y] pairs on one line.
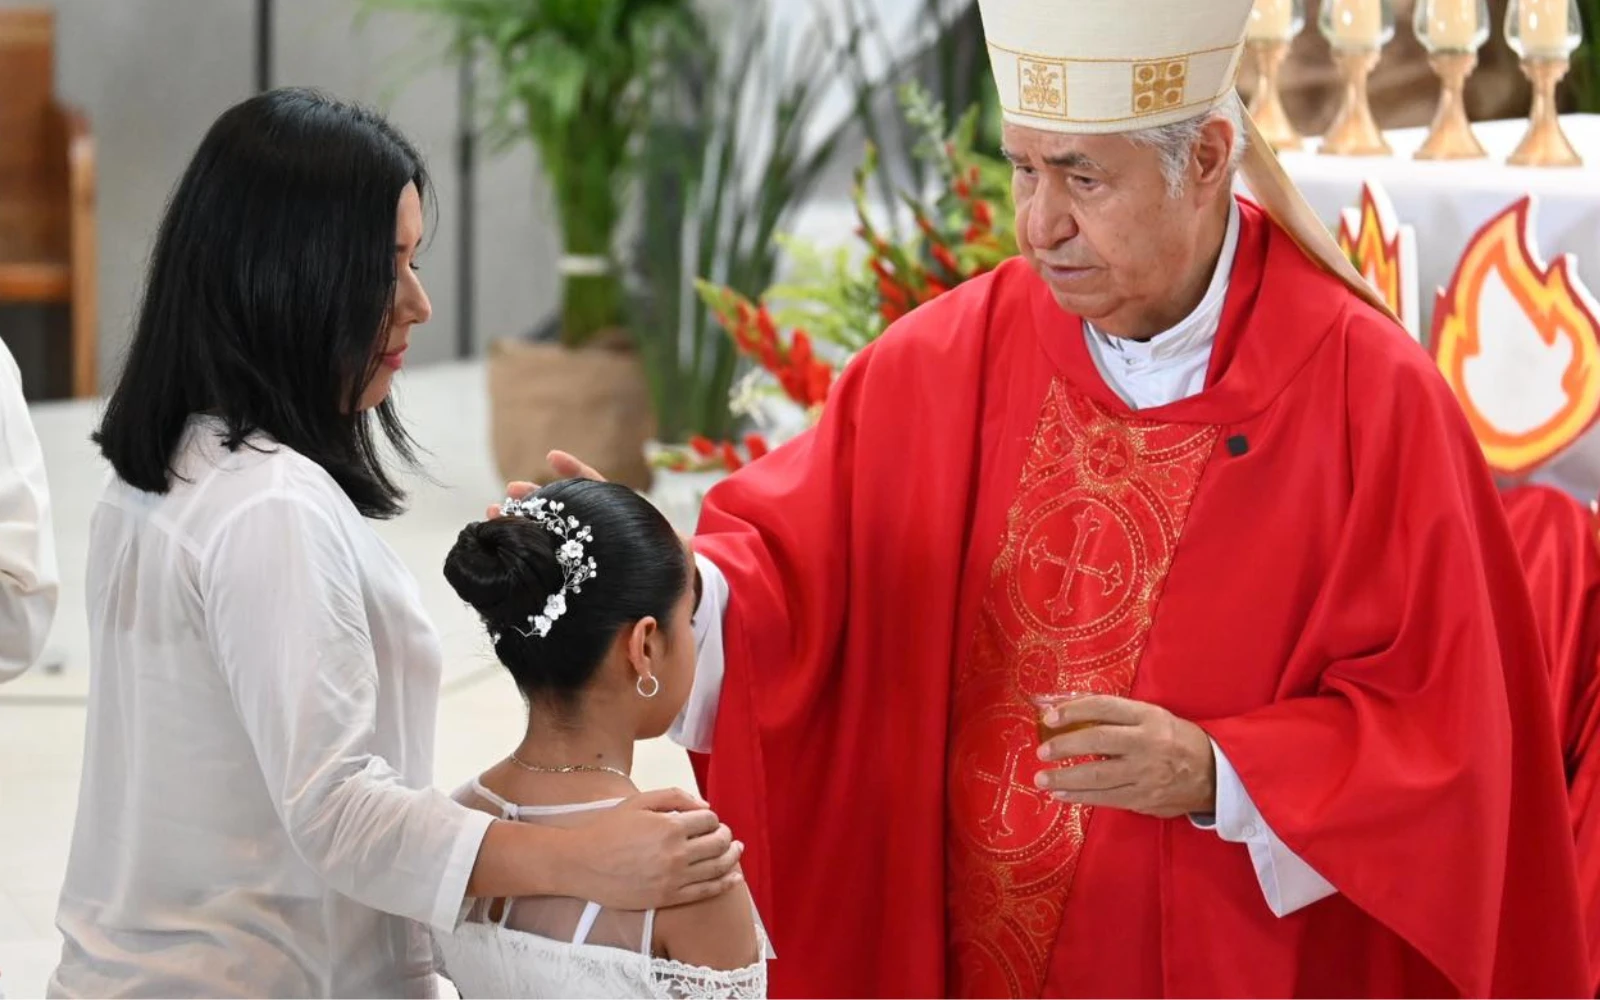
[[1384, 252], [1524, 365]]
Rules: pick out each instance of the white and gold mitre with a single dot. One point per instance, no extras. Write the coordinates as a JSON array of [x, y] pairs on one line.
[[1092, 66], [1095, 67]]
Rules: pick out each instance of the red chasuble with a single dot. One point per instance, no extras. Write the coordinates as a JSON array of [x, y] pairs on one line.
[[1308, 558], [1556, 537]]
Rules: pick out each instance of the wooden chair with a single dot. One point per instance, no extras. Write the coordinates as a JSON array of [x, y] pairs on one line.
[[47, 188]]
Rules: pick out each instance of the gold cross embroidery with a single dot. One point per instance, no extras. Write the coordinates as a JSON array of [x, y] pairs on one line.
[[1007, 783], [1159, 86], [1073, 566]]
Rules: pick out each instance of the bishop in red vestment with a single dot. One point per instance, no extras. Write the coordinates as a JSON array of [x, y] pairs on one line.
[[1291, 577], [1172, 456], [1308, 558]]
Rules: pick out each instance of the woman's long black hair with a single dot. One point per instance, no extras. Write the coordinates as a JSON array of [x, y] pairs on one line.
[[268, 294]]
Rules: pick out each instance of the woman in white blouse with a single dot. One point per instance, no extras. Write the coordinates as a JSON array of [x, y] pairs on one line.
[[256, 815]]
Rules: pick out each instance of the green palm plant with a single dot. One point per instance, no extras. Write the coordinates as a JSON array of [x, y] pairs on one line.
[[750, 110], [576, 78], [733, 155], [953, 68]]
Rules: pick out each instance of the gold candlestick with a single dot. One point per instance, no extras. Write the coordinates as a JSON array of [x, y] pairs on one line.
[[1545, 144], [1267, 106], [1451, 136], [1354, 132]]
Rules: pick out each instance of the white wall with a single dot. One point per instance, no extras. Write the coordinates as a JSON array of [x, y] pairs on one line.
[[390, 61]]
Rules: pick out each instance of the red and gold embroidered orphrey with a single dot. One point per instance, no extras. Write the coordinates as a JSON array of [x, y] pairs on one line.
[[1088, 541]]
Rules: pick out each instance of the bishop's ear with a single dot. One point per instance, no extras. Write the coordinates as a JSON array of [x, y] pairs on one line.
[[1213, 152]]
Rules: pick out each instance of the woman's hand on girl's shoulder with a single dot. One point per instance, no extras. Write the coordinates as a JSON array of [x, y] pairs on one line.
[[655, 850]]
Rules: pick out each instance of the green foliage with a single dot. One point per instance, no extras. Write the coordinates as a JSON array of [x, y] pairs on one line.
[[836, 301], [953, 69], [754, 124], [728, 162], [841, 299], [577, 78], [829, 294], [837, 297]]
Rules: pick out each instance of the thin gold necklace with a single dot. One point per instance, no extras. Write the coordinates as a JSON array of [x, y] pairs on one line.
[[565, 768]]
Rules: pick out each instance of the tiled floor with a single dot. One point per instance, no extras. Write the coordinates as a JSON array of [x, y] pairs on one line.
[[42, 714]]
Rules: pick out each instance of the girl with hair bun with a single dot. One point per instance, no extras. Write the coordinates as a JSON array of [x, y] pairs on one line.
[[588, 594]]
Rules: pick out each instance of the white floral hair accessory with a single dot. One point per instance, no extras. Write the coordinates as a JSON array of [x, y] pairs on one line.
[[576, 568]]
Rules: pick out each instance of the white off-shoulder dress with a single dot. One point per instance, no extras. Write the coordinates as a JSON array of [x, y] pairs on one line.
[[564, 947]]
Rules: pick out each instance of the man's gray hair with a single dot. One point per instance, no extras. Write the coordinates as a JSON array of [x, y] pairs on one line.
[[1176, 142]]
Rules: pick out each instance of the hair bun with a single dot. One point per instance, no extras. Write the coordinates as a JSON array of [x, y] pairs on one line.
[[507, 569], [495, 561]]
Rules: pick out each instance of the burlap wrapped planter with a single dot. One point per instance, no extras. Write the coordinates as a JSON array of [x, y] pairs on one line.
[[593, 402]]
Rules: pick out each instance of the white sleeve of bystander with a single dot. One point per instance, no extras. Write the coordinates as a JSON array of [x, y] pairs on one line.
[[697, 723], [28, 577], [1288, 883]]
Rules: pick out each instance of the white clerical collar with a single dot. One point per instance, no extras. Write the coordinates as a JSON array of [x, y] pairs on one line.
[[1194, 333]]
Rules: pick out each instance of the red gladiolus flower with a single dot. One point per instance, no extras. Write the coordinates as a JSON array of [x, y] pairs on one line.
[[982, 214], [764, 323], [800, 350], [936, 287], [947, 260], [742, 337], [756, 445], [891, 312], [793, 385], [768, 355], [926, 225], [730, 457], [962, 189], [703, 446], [818, 381], [892, 294], [738, 323]]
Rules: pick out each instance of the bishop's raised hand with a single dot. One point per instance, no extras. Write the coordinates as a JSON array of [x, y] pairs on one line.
[[565, 465]]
